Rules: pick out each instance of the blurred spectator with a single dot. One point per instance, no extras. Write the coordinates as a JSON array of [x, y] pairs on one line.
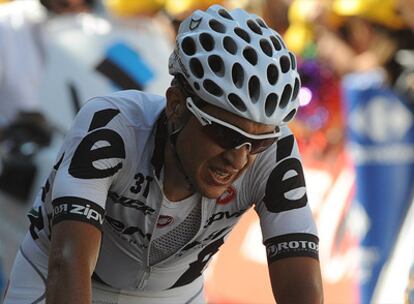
[[22, 51], [369, 50], [24, 130], [365, 39], [43, 72]]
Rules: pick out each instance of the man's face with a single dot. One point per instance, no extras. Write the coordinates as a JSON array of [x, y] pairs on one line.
[[211, 168]]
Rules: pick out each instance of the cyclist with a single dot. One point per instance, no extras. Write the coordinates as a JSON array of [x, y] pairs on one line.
[[146, 188]]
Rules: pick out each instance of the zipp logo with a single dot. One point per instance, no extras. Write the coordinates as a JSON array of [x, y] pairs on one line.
[[85, 211], [74, 208]]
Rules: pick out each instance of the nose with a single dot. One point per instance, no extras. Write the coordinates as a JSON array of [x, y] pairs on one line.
[[237, 157]]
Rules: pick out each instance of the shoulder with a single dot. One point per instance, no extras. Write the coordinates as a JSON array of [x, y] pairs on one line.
[[137, 109]]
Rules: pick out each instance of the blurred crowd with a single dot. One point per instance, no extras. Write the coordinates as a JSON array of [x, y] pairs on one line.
[[55, 54]]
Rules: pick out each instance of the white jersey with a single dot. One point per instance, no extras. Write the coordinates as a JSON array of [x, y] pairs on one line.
[[109, 173]]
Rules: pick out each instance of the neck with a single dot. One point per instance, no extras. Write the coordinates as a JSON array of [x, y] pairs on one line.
[[176, 184]]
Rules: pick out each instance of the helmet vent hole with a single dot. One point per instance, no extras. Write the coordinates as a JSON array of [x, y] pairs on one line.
[[196, 68], [261, 23], [216, 65], [230, 45], [276, 43], [237, 74], [254, 27], [266, 47], [188, 46], [289, 116], [284, 100], [293, 60], [225, 14], [272, 74], [271, 104], [254, 89], [217, 26], [242, 34], [250, 55], [212, 88], [296, 89], [206, 41], [284, 64], [237, 102]]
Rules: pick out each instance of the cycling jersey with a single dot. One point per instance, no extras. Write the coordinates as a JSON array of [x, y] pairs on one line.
[[109, 173]]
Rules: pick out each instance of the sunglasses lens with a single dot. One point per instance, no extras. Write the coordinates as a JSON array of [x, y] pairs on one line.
[[225, 137], [228, 139]]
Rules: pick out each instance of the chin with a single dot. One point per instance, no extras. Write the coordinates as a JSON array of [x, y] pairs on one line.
[[211, 192]]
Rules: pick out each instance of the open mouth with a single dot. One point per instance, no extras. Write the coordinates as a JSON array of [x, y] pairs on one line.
[[220, 177]]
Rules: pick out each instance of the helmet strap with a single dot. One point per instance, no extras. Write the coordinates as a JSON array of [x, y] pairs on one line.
[[173, 132]]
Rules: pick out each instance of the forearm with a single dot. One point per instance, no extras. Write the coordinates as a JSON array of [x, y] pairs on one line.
[[68, 283]]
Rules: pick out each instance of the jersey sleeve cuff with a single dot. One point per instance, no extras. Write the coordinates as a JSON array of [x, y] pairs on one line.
[[77, 209], [292, 245]]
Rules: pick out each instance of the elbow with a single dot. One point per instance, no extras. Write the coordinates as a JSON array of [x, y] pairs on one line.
[[59, 268]]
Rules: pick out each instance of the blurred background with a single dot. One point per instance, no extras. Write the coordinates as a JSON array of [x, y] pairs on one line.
[[355, 126]]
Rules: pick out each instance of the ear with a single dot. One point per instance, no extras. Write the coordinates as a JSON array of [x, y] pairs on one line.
[[175, 103]]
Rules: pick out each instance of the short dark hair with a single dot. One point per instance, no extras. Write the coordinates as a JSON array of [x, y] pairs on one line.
[[182, 84]]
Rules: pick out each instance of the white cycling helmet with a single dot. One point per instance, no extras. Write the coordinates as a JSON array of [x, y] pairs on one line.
[[233, 60]]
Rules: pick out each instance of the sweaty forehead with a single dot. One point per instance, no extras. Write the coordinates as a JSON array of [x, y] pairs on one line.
[[249, 126]]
